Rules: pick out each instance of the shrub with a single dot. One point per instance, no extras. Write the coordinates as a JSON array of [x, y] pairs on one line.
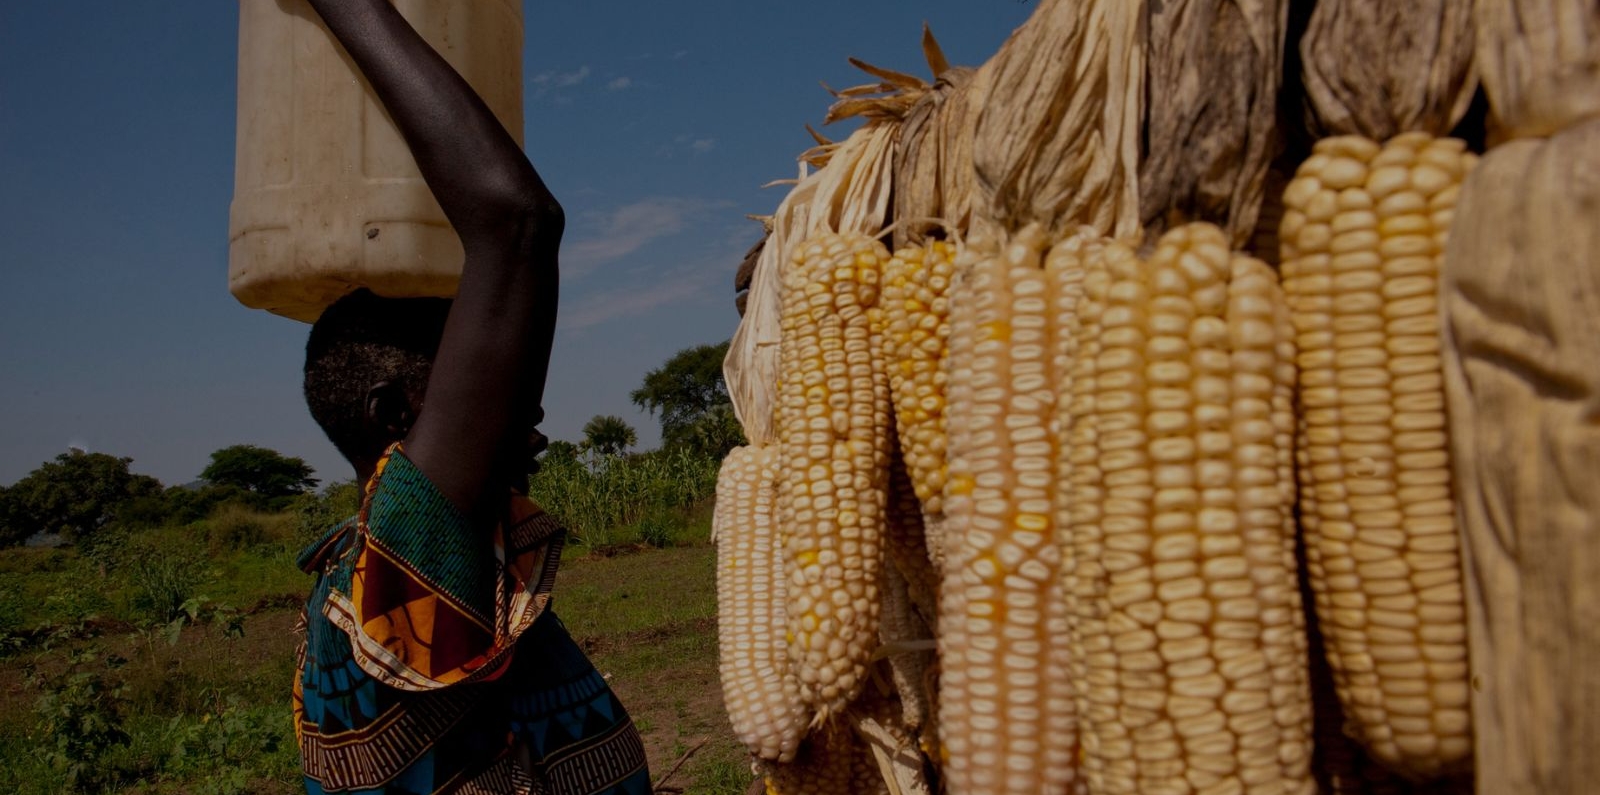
[[80, 718], [317, 513], [161, 580]]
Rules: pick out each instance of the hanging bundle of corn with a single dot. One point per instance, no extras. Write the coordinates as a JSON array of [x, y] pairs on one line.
[[1521, 324], [1214, 65], [850, 192]]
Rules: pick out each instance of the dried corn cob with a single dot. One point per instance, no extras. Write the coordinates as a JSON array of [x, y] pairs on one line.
[[1006, 711], [1362, 239], [832, 761], [1184, 591], [834, 427], [916, 287], [758, 688]]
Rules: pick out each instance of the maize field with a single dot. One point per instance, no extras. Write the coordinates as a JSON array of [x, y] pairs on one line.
[[1194, 398]]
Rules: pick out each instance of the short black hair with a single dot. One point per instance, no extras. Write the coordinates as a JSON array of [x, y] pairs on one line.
[[361, 340]]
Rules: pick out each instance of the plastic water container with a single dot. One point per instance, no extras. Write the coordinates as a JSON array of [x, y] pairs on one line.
[[327, 198]]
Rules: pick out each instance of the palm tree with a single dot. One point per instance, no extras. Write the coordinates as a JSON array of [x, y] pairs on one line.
[[609, 435]]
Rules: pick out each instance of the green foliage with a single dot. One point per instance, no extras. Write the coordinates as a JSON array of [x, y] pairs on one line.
[[162, 579], [317, 513], [226, 744], [609, 435], [259, 470], [79, 716], [233, 526], [75, 495], [186, 505], [715, 432], [683, 391], [594, 501]]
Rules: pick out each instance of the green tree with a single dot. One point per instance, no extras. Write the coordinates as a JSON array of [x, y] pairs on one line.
[[13, 530], [609, 435], [691, 398], [74, 495], [561, 453], [259, 470]]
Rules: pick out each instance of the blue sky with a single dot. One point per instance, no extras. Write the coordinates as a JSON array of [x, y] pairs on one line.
[[655, 123]]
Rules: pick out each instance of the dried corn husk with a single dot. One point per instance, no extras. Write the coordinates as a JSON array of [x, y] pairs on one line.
[[1521, 304], [927, 186], [1378, 69], [1215, 66], [1540, 63], [1057, 136], [751, 367]]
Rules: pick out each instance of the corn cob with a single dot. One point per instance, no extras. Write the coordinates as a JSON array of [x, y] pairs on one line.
[[1192, 673], [834, 430], [1362, 239], [758, 688], [832, 761], [1339, 764], [1006, 710], [916, 288], [1096, 688]]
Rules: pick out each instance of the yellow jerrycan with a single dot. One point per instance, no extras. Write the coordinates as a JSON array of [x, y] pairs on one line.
[[326, 197]]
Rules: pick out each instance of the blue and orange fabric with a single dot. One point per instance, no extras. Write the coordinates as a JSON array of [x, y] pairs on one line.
[[432, 662]]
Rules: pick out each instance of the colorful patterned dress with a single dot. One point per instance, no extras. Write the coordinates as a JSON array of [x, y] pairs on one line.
[[431, 662]]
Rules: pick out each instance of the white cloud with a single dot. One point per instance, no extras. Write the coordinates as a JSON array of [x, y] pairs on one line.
[[612, 235], [674, 287], [620, 83], [704, 277], [551, 80], [686, 143]]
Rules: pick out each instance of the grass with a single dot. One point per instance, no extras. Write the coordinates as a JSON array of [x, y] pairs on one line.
[[209, 714]]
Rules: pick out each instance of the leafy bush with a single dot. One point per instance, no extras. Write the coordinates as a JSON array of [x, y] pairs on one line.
[[161, 580], [237, 527], [317, 513], [80, 718], [76, 601]]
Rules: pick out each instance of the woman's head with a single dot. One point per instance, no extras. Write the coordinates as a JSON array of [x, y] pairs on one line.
[[367, 365]]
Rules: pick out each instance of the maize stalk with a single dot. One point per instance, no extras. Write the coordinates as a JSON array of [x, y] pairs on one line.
[[1192, 665], [1006, 711], [758, 688], [1362, 240], [834, 431]]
